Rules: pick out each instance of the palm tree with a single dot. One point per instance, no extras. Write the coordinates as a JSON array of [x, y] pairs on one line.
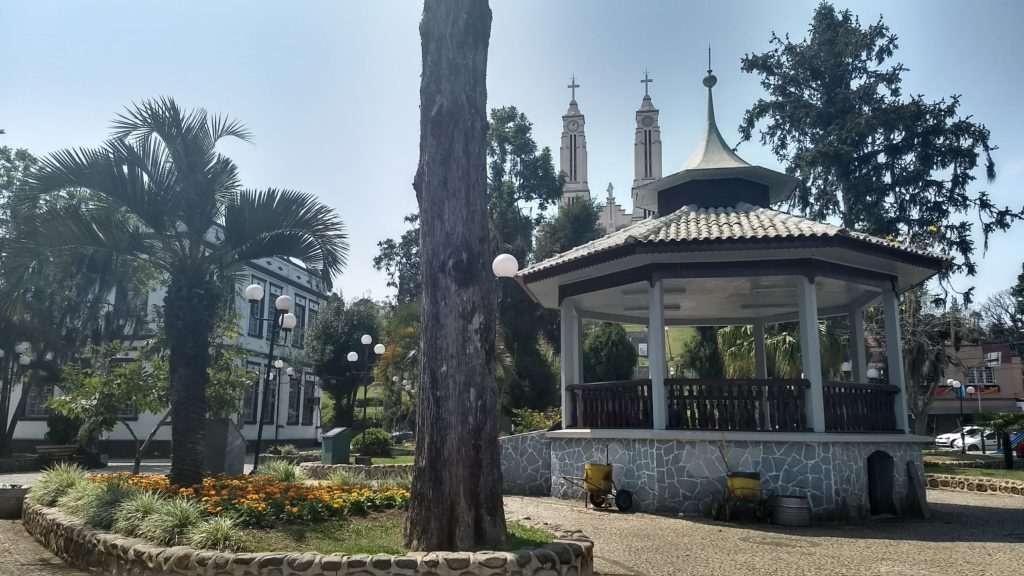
[[1004, 424], [782, 350], [159, 191]]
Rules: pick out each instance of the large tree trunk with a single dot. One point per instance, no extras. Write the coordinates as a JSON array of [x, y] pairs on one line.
[[190, 314], [456, 500]]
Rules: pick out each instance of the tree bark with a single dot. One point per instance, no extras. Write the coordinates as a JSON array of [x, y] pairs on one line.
[[456, 502], [190, 314], [1004, 437], [140, 451]]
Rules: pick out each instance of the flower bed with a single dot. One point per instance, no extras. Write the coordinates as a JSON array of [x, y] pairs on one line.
[[264, 501]]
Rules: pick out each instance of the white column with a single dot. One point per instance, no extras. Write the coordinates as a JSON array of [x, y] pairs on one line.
[[810, 353], [894, 353], [858, 352], [656, 352], [570, 357], [760, 358]]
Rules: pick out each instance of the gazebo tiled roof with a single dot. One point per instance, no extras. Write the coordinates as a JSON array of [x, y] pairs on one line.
[[695, 226]]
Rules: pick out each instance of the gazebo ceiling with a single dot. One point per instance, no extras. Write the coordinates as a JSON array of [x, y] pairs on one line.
[[722, 301]]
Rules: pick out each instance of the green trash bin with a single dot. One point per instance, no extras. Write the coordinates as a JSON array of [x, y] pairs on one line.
[[336, 445]]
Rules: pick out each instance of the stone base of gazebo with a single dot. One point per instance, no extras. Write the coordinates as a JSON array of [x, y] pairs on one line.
[[845, 476]]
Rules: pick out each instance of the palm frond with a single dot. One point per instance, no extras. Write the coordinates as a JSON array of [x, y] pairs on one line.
[[285, 223]]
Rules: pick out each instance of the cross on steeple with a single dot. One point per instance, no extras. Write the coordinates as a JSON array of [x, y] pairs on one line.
[[646, 82], [573, 85]]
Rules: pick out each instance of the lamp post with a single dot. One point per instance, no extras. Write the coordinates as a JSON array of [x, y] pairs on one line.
[[958, 388], [282, 321], [353, 357], [846, 367], [972, 391]]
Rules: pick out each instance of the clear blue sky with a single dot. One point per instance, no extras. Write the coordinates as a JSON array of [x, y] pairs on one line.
[[330, 88]]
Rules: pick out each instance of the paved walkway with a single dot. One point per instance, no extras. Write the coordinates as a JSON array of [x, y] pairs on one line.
[[976, 534]]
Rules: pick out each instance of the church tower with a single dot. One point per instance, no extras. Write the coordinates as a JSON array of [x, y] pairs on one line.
[[646, 148], [574, 151]]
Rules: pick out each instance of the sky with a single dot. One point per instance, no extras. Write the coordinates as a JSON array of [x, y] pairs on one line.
[[330, 89]]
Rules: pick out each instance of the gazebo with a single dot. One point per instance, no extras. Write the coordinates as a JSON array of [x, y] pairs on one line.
[[716, 254]]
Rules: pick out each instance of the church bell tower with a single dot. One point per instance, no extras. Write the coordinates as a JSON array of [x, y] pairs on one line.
[[646, 147], [574, 151]]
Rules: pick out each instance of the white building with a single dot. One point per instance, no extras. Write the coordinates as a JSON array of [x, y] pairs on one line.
[[646, 159], [297, 416]]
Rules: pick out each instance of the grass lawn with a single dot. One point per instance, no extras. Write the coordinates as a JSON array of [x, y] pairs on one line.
[[376, 534], [977, 472], [396, 459], [961, 457]]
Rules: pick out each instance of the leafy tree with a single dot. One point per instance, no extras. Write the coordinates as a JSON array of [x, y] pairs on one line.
[[457, 501], [882, 163], [700, 353], [1003, 317], [336, 332], [1004, 424], [401, 262], [159, 191], [608, 354], [782, 349], [573, 225]]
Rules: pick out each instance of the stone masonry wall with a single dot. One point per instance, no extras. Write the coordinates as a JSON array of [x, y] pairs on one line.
[[318, 471], [526, 464], [976, 484], [109, 554], [688, 476]]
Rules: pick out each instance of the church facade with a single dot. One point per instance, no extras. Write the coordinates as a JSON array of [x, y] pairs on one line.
[[646, 160]]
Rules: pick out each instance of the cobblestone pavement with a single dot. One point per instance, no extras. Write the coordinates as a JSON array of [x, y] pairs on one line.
[[977, 534], [20, 555]]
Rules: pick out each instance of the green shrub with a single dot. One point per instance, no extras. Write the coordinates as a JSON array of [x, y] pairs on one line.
[[61, 429], [283, 471], [55, 482], [526, 420], [95, 503], [373, 442], [171, 522], [217, 533], [398, 479], [134, 510], [287, 450], [343, 477]]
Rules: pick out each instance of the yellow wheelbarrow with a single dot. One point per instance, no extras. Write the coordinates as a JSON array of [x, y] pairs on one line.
[[600, 489], [742, 495]]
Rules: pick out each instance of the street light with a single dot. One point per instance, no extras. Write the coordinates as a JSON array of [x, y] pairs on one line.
[[958, 388], [972, 391], [353, 357], [281, 321], [846, 367], [505, 266], [872, 374]]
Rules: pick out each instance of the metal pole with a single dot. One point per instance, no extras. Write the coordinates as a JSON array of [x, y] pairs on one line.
[[963, 437], [277, 406], [366, 385], [266, 389]]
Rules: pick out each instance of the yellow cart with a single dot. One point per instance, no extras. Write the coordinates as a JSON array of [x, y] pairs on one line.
[[600, 488]]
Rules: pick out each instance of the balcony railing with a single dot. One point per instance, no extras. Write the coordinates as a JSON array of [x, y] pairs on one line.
[[851, 407], [625, 404], [754, 404]]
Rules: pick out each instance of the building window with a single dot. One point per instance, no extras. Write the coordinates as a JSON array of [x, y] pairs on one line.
[[270, 404], [300, 317], [38, 396], [130, 412], [294, 389], [309, 404], [252, 395], [255, 311], [980, 375], [275, 291]]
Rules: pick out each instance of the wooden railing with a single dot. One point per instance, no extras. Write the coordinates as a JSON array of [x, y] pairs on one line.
[[851, 407], [754, 404], [625, 404]]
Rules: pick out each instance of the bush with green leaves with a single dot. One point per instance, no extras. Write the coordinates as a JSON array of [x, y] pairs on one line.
[[217, 533], [344, 477], [525, 420], [172, 521], [61, 429], [95, 503], [131, 513], [55, 482], [287, 450], [373, 442], [283, 471]]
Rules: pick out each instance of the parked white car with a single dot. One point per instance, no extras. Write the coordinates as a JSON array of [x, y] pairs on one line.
[[947, 440], [974, 440]]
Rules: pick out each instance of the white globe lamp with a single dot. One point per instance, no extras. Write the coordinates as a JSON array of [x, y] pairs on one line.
[[366, 339], [846, 366], [254, 292], [278, 363], [378, 349], [284, 303], [505, 266], [288, 321], [352, 356], [872, 373]]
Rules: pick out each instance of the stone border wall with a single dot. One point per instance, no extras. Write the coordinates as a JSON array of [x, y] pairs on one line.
[[98, 552], [526, 464], [318, 471], [976, 484], [1018, 464]]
